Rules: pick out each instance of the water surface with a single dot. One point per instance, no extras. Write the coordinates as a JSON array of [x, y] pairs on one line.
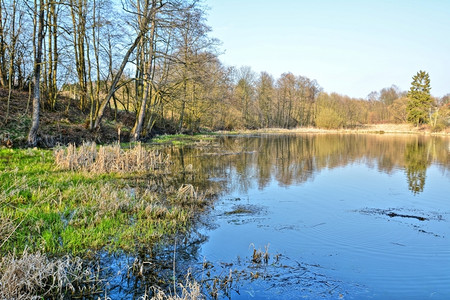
[[342, 216]]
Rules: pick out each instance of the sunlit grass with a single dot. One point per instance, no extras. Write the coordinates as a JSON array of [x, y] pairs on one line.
[[184, 139], [49, 205]]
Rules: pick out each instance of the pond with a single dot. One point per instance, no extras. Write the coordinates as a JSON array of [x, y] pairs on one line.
[[326, 216], [331, 216]]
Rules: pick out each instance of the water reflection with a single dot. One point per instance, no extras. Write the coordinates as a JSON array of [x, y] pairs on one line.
[[342, 209], [324, 232], [417, 161], [293, 159]]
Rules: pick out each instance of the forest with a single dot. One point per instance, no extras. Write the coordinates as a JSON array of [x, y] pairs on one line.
[[155, 62]]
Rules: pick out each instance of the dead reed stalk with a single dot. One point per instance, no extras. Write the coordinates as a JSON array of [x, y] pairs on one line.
[[190, 290], [187, 194], [105, 159], [35, 276]]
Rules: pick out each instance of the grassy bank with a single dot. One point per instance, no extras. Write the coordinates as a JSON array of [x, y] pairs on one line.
[[76, 201]]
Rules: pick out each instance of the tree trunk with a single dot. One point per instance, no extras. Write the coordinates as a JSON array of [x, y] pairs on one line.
[[52, 54], [2, 48], [32, 136], [112, 89], [137, 130]]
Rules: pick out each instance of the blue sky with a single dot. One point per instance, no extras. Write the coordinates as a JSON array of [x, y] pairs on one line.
[[349, 47]]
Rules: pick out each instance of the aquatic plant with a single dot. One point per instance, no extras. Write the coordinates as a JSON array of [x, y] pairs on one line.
[[187, 194], [259, 256]]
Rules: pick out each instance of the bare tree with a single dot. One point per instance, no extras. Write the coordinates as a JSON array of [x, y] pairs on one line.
[[52, 52], [39, 18], [151, 9], [3, 63]]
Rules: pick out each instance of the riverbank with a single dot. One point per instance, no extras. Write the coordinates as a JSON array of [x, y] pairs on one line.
[[63, 211], [362, 129]]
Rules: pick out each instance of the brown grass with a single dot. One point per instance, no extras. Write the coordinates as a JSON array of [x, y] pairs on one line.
[[106, 159], [190, 290], [258, 256], [187, 194], [35, 276], [6, 229]]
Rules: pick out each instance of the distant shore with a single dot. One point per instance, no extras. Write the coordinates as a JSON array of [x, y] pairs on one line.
[[370, 128]]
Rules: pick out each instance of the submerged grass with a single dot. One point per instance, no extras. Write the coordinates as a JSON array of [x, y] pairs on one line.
[[74, 201]]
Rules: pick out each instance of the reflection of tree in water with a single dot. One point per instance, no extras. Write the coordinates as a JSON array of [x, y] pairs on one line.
[[293, 159], [416, 163]]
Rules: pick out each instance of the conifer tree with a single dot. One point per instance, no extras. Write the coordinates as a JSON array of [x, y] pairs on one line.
[[419, 99]]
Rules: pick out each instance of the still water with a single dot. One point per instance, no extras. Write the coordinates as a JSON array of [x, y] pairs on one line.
[[340, 216]]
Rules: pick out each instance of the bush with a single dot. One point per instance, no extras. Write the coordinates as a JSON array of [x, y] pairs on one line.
[[328, 118]]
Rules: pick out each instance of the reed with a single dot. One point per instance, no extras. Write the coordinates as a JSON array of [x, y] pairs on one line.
[[259, 256], [105, 159], [187, 194], [34, 276], [190, 290]]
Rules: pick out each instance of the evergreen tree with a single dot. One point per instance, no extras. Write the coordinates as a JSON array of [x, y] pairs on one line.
[[419, 99]]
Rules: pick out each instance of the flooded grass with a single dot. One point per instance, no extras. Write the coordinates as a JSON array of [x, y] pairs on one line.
[[238, 211], [200, 139], [189, 290], [78, 201]]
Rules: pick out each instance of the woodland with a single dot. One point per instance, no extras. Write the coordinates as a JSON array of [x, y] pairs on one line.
[[75, 70]]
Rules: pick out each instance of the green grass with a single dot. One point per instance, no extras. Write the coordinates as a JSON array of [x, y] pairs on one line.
[[43, 208], [184, 139]]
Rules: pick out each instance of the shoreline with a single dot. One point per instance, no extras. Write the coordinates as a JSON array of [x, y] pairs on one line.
[[393, 129]]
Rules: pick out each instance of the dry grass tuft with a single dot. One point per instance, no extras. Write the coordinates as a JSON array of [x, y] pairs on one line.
[[34, 276], [6, 228], [106, 159], [109, 201], [187, 194], [191, 290]]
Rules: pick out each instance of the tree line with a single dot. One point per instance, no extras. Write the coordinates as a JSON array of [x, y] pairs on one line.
[[157, 60]]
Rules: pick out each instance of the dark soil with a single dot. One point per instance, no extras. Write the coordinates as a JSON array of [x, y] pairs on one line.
[[67, 123]]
